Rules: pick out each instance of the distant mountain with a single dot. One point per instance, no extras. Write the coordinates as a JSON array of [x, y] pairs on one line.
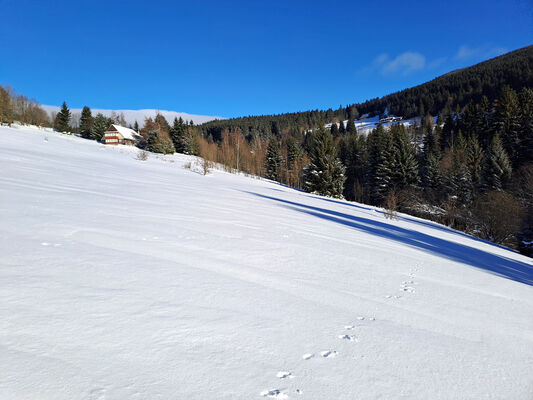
[[139, 115]]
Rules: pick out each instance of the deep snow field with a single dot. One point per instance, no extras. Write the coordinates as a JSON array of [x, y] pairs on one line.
[[124, 279]]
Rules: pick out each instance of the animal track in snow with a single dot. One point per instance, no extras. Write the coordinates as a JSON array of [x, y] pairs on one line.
[[350, 338], [328, 353], [274, 394], [284, 374], [299, 391], [307, 356], [349, 327]]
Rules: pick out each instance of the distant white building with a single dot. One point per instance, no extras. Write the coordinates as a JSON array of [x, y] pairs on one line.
[[117, 134]]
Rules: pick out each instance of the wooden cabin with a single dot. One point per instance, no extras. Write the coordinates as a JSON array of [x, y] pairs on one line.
[[117, 134]]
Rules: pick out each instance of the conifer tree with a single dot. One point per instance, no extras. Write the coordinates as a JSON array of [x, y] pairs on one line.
[[325, 174], [459, 179], [273, 161], [432, 177], [350, 129], [525, 149], [100, 125], [405, 165], [61, 123], [474, 159], [177, 134], [351, 155], [136, 126], [86, 123], [505, 122], [498, 167], [334, 130], [342, 128]]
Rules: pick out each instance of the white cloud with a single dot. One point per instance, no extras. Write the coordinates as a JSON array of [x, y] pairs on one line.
[[402, 64], [466, 52]]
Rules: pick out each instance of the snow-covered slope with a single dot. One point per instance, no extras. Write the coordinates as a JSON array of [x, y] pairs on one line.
[[139, 115], [366, 124], [124, 279]]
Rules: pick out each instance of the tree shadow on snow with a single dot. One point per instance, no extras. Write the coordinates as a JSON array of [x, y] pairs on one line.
[[512, 269]]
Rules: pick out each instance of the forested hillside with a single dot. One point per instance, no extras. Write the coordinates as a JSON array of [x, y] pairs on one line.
[[439, 96]]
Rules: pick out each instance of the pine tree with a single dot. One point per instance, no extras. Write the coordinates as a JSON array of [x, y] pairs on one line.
[[525, 148], [459, 177], [136, 126], [351, 156], [325, 174], [432, 177], [405, 165], [505, 122], [342, 128], [350, 129], [273, 161], [61, 123], [86, 123], [498, 166], [334, 130], [378, 174], [100, 125], [474, 158], [151, 140], [177, 134]]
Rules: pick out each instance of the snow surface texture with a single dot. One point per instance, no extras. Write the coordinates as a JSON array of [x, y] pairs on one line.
[[139, 115], [129, 279]]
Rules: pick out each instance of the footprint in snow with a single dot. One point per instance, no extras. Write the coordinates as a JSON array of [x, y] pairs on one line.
[[349, 327], [307, 356], [329, 353], [284, 374], [274, 394], [350, 338], [299, 391]]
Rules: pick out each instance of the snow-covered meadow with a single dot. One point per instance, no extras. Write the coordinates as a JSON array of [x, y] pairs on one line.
[[129, 279]]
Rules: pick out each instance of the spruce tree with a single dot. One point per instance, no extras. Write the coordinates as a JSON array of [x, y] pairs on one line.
[[86, 123], [334, 130], [342, 129], [273, 161], [498, 167], [325, 174], [459, 179], [350, 129], [405, 165], [505, 122], [432, 177], [474, 158], [525, 148], [100, 124], [177, 134], [61, 123], [351, 156]]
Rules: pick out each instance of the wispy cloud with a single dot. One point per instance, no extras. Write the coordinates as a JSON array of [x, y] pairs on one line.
[[403, 64], [412, 61], [466, 52]]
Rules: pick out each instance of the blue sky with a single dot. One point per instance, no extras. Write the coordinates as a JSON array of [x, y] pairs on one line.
[[234, 58]]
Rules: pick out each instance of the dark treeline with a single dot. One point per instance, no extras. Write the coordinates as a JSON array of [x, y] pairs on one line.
[[439, 96]]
